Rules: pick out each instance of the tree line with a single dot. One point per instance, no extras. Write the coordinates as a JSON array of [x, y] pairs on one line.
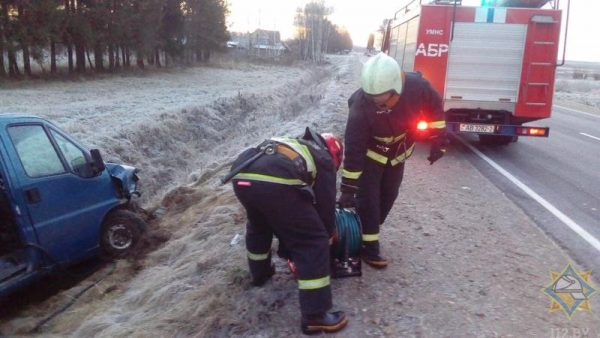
[[316, 35], [112, 33]]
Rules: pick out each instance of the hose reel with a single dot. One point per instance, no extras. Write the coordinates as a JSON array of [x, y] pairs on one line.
[[345, 250]]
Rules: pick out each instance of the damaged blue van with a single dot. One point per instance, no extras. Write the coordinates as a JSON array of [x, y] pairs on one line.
[[59, 202]]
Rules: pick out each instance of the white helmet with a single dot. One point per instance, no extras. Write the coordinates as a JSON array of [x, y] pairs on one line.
[[381, 74]]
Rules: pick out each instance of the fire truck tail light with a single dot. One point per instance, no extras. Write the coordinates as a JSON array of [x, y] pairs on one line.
[[537, 132], [531, 131], [422, 125]]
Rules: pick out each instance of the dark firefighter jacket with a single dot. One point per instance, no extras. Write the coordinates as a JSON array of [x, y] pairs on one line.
[[301, 164], [386, 136]]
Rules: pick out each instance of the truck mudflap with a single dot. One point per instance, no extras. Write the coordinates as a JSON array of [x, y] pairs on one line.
[[126, 177], [497, 129]]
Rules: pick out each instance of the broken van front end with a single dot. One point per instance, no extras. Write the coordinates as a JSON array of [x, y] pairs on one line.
[[125, 178]]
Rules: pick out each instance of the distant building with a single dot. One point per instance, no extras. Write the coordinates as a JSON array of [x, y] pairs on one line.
[[234, 44], [261, 42], [239, 41]]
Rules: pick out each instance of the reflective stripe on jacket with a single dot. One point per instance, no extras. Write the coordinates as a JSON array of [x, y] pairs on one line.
[[302, 150], [395, 151]]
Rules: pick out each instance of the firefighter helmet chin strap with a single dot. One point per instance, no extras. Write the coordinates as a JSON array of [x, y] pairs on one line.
[[391, 102], [395, 97]]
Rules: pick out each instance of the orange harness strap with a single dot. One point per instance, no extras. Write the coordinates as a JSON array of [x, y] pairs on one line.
[[287, 152]]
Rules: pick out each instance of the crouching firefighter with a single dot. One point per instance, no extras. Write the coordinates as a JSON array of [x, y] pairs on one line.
[[287, 186]]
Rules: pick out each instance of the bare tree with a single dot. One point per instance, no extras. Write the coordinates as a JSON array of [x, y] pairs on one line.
[[315, 30], [3, 72]]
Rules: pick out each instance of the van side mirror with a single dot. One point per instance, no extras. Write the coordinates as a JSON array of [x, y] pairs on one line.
[[97, 162]]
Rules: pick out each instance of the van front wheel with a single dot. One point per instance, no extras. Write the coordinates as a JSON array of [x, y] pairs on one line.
[[121, 233]]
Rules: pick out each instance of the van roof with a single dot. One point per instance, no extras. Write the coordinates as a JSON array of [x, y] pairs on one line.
[[7, 118]]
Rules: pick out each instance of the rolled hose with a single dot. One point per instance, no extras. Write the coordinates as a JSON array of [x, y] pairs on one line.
[[348, 234]]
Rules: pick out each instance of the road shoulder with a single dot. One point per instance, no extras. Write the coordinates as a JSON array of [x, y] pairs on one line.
[[466, 261]]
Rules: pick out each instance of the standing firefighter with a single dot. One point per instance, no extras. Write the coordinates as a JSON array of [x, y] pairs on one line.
[[287, 186], [383, 117]]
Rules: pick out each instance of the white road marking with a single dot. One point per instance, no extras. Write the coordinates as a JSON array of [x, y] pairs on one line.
[[593, 241], [590, 136], [577, 111]]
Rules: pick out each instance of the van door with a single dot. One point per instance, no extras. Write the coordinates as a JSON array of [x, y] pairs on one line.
[[66, 209]]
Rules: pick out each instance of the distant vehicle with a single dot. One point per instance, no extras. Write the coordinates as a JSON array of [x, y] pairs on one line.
[[59, 202], [494, 66]]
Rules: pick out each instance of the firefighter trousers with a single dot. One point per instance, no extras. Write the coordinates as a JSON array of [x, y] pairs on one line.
[[378, 189], [288, 213]]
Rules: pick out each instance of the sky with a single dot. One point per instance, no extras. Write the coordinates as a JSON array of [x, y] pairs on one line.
[[363, 17]]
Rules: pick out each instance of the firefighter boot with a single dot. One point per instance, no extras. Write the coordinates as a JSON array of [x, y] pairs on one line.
[[328, 322], [370, 254], [264, 277]]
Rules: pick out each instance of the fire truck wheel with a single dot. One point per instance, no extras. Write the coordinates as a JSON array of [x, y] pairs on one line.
[[121, 233]]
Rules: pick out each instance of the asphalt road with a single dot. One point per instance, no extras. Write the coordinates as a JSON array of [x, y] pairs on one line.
[[564, 170]]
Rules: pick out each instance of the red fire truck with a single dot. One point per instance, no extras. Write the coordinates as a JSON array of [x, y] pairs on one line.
[[493, 65]]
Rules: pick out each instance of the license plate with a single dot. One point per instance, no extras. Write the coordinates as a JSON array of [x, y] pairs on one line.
[[477, 128]]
